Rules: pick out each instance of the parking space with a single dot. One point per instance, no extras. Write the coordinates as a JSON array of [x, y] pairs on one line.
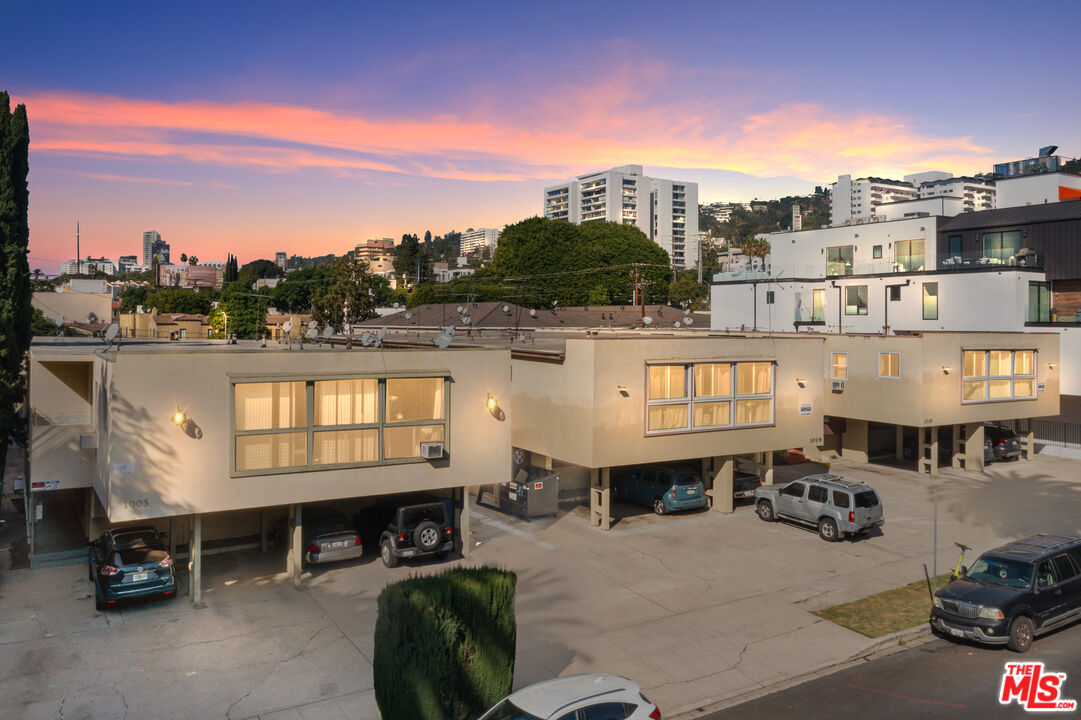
[[695, 607]]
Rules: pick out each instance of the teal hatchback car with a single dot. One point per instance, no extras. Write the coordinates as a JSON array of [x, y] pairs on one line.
[[664, 488]]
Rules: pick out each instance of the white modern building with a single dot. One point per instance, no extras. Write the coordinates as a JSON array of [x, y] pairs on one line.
[[89, 266], [665, 210], [974, 193], [154, 245], [854, 201], [871, 199], [473, 240]]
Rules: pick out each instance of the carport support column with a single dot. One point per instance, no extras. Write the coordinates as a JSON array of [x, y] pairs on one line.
[[1028, 439], [722, 484], [296, 550], [195, 560], [899, 447], [959, 459], [263, 520], [927, 450], [854, 441], [974, 439], [763, 465], [600, 498], [461, 508]]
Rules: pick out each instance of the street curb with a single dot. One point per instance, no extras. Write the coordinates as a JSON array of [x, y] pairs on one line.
[[878, 647]]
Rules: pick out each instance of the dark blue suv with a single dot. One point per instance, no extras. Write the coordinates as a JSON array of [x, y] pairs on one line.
[[661, 487], [130, 562]]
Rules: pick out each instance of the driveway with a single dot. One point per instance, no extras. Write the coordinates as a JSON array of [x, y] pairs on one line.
[[696, 608]]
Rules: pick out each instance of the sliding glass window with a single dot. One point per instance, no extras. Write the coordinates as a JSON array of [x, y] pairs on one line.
[[856, 300], [908, 255], [998, 375], [344, 422], [708, 396], [1039, 301], [839, 260], [1001, 248]]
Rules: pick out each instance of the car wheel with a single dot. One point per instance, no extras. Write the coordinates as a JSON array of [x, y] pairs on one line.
[[388, 557], [827, 530], [426, 536], [658, 506], [765, 511], [1022, 632]]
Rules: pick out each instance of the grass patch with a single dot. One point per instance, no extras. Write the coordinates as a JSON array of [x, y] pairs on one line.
[[886, 612]]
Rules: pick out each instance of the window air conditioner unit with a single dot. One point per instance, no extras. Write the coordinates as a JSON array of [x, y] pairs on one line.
[[838, 386], [431, 450]]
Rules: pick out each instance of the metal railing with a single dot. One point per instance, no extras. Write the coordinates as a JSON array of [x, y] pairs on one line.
[[1052, 432]]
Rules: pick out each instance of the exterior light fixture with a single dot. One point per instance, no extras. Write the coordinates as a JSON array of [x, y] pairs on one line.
[[623, 391], [1050, 366], [945, 369], [801, 382], [179, 417], [493, 407]]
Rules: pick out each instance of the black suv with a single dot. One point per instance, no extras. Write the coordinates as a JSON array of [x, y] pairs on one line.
[[409, 531], [1013, 593], [1004, 442], [130, 562]]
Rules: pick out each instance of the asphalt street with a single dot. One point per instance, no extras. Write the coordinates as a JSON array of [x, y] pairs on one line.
[[941, 679]]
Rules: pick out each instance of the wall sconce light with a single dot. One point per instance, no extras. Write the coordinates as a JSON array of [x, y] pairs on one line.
[[183, 421], [1050, 366], [945, 369], [801, 382], [493, 407], [623, 391], [179, 417]]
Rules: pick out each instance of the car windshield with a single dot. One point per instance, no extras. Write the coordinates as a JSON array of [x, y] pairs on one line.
[[866, 499], [999, 571], [686, 479], [507, 710], [136, 539], [416, 515]]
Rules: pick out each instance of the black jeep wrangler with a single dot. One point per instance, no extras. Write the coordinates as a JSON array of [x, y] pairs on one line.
[[410, 531]]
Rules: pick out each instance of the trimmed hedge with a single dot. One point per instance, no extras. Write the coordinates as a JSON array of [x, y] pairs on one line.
[[444, 644]]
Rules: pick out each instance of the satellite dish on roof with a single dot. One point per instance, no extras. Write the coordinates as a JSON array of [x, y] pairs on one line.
[[366, 339], [312, 333], [287, 326], [312, 324], [59, 321], [532, 313], [444, 340], [408, 316], [688, 321], [382, 333], [647, 320], [675, 324], [347, 329], [466, 320], [328, 331], [460, 308], [686, 311], [112, 332], [506, 308], [91, 318]]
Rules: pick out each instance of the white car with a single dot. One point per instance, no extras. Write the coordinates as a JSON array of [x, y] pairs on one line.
[[577, 697]]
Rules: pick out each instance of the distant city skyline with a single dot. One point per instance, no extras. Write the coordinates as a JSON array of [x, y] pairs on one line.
[[446, 117]]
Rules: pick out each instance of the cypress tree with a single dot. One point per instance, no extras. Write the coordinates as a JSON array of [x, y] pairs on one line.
[[15, 312]]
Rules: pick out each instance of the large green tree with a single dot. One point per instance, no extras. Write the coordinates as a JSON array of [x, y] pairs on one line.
[[409, 257], [544, 261], [348, 295], [257, 269], [15, 312], [246, 312]]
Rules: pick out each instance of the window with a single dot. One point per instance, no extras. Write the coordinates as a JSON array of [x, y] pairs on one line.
[[889, 364], [1045, 574], [817, 493], [930, 301], [840, 366], [998, 375], [793, 489], [876, 252], [607, 711], [856, 300], [1002, 247], [708, 395], [1064, 568], [323, 423], [894, 292], [954, 246], [908, 255], [818, 305], [769, 297], [1039, 301], [840, 499], [839, 260]]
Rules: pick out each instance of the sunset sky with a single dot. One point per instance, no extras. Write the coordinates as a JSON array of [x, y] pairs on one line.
[[252, 127]]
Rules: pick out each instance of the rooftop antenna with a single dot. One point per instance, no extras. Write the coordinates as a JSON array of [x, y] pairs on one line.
[[78, 263], [287, 330]]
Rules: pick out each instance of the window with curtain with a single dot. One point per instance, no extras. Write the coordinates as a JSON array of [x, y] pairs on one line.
[[889, 364], [998, 375], [708, 395], [930, 301], [333, 423], [839, 363], [818, 305]]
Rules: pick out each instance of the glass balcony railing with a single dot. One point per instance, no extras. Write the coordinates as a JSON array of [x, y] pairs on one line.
[[993, 258]]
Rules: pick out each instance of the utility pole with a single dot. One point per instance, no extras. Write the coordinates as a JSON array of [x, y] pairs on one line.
[[640, 284], [78, 262]]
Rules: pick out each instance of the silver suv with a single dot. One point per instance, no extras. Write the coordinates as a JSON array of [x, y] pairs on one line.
[[837, 507]]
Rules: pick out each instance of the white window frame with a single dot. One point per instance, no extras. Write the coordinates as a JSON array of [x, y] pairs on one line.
[[689, 398], [987, 377], [833, 364], [891, 377]]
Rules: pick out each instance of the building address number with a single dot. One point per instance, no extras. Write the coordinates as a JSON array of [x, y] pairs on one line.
[[132, 504]]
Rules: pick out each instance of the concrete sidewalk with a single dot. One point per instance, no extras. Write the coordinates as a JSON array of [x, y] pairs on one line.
[[696, 608]]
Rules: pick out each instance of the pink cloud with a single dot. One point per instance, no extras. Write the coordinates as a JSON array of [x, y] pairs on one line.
[[142, 180]]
